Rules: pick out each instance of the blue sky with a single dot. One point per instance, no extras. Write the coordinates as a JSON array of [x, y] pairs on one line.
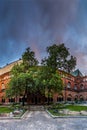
[[41, 23]]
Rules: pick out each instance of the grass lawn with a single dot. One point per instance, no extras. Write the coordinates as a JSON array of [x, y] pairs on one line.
[[54, 113], [56, 108], [76, 108], [17, 110], [5, 109], [70, 107]]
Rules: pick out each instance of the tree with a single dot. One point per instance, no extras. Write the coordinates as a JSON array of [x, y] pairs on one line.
[[20, 85], [71, 63], [49, 82], [14, 88], [29, 59], [16, 70], [59, 58], [22, 81]]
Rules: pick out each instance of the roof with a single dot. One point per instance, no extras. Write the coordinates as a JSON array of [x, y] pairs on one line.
[[77, 73], [8, 67]]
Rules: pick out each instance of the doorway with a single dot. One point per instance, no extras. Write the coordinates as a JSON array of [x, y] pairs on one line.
[[36, 100]]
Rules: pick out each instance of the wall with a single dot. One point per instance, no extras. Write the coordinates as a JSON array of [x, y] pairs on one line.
[[72, 85]]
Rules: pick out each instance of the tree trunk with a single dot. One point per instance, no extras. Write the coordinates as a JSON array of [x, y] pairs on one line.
[[16, 98], [23, 101], [48, 97]]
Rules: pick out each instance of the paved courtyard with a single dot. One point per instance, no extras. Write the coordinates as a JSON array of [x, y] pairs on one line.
[[42, 121]]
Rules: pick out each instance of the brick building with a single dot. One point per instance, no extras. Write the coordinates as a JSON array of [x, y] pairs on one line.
[[75, 87], [5, 76]]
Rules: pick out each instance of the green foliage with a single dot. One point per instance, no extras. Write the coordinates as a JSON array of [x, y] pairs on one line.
[[14, 87], [48, 81], [59, 58], [70, 64], [23, 75], [29, 59], [30, 78], [56, 82], [58, 106], [20, 85], [70, 107], [16, 70], [6, 109], [76, 108]]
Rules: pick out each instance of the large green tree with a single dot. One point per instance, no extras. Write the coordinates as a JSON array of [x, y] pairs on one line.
[[49, 82], [14, 89], [21, 85], [59, 58], [22, 81]]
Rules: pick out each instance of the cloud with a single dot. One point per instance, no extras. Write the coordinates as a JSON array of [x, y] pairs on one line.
[[40, 23], [58, 14]]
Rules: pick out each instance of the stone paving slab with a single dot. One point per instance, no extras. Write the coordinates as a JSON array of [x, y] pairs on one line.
[[40, 120]]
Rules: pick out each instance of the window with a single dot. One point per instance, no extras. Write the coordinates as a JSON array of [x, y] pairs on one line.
[[60, 98], [69, 98], [11, 99], [85, 79], [75, 87], [69, 85], [81, 98], [81, 87], [3, 100], [3, 86]]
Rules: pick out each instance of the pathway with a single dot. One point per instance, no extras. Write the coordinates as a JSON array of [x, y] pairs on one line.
[[40, 120]]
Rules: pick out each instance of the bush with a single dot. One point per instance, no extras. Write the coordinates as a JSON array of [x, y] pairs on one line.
[[57, 106], [16, 106]]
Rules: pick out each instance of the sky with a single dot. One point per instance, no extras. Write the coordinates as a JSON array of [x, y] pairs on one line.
[[40, 23]]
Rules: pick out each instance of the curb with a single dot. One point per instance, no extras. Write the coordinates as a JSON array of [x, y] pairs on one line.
[[14, 118], [24, 115], [65, 116]]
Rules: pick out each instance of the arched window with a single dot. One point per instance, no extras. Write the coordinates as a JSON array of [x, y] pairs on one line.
[[75, 87], [76, 98], [11, 99], [81, 98], [69, 85], [81, 87], [3, 86], [69, 98], [60, 98], [3, 100]]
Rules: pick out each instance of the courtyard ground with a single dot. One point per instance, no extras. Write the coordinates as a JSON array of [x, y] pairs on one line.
[[40, 120]]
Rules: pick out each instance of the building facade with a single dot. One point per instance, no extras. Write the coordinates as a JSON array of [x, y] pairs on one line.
[[75, 87]]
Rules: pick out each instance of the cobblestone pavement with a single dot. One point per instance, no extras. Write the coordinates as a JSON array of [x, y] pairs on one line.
[[42, 121]]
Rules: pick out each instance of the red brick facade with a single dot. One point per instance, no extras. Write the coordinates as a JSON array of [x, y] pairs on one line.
[[75, 87]]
